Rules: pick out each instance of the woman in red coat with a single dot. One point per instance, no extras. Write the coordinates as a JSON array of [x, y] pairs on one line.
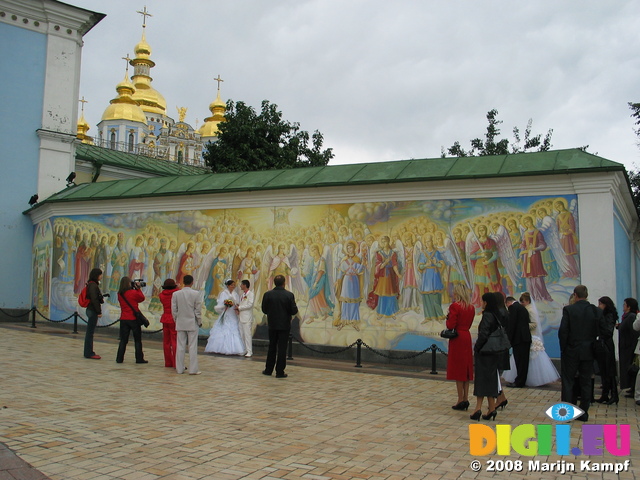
[[169, 335], [130, 296], [460, 357]]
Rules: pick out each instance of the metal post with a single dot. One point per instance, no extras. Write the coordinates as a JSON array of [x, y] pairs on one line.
[[358, 353], [75, 322], [33, 317], [290, 348], [433, 360]]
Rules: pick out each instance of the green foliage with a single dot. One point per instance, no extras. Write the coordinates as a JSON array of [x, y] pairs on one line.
[[634, 175], [492, 145], [249, 141]]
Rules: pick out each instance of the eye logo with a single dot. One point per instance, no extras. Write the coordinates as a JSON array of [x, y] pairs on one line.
[[563, 412]]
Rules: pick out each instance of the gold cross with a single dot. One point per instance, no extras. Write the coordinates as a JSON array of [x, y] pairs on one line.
[[127, 59], [218, 80], [144, 14], [83, 101]]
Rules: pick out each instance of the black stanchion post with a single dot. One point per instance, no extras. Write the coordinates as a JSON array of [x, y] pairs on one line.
[[75, 322], [33, 317], [290, 348], [358, 353], [433, 360]]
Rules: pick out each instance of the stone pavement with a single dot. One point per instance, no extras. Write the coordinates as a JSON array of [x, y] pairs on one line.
[[72, 418]]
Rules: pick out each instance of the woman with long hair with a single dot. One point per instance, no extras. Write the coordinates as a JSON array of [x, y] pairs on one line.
[[606, 355], [460, 355], [627, 340], [487, 382], [94, 311], [129, 296], [224, 336]]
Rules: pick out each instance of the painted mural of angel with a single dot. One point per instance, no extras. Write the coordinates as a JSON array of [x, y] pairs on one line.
[[215, 280], [428, 263], [409, 296], [202, 265], [319, 283], [566, 221], [533, 243], [553, 256], [299, 259], [383, 297], [276, 262], [507, 261], [349, 288], [482, 255]]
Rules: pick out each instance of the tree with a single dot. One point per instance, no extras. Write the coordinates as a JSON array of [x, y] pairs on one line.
[[491, 145], [248, 141], [634, 175]]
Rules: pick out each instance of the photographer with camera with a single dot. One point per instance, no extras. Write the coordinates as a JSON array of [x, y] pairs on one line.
[[129, 296]]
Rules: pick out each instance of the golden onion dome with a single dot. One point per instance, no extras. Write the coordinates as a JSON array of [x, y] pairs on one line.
[[142, 49], [124, 107], [210, 126], [149, 99], [82, 129]]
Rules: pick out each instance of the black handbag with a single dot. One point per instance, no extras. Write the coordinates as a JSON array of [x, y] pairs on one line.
[[497, 342], [140, 318], [449, 333]]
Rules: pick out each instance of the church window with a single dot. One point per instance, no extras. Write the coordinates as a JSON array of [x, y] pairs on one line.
[[112, 140], [131, 138]]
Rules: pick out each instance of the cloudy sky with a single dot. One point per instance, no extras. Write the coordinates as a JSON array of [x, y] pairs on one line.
[[388, 80]]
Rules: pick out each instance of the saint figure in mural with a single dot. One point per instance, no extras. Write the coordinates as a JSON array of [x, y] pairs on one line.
[[136, 258], [320, 305], [429, 263], [483, 254], [410, 298], [215, 282], [119, 263], [83, 264], [349, 288], [278, 265], [532, 269], [568, 238], [383, 298], [187, 263]]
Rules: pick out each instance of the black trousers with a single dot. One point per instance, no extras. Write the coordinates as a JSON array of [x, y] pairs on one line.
[[92, 322], [277, 353], [127, 326], [521, 359], [570, 365]]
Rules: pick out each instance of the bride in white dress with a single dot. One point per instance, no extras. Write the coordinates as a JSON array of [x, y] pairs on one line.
[[225, 335], [541, 369]]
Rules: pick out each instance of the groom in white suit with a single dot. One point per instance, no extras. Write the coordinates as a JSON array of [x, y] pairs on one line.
[[186, 306], [245, 316]]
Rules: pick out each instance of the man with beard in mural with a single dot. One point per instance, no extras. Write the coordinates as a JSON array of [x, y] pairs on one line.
[[101, 257], [83, 263], [386, 289]]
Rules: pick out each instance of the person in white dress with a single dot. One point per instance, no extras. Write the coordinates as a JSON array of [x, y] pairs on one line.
[[541, 369], [224, 336]]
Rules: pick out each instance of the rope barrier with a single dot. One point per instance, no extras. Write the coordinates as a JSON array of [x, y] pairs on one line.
[[320, 351]]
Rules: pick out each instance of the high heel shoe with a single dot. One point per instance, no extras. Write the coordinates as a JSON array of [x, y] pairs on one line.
[[602, 399], [490, 416], [463, 405], [476, 415], [611, 402], [501, 405]]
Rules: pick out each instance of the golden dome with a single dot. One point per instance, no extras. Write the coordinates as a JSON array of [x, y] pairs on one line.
[[210, 126], [124, 107], [149, 99], [142, 49], [83, 128]]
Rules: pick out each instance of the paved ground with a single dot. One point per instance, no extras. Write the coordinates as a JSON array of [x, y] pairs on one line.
[[72, 418]]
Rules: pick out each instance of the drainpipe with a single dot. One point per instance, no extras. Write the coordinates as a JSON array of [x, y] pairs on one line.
[[96, 171]]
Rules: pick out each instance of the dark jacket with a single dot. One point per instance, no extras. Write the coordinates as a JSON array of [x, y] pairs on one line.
[[581, 324], [279, 305], [95, 297], [518, 329], [488, 324]]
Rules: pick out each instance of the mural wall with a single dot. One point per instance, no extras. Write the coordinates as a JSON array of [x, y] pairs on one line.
[[382, 271]]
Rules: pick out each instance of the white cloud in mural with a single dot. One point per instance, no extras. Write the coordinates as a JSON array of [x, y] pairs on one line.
[[371, 212]]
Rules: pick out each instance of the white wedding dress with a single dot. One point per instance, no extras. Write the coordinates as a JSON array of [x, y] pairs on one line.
[[224, 336], [541, 369]]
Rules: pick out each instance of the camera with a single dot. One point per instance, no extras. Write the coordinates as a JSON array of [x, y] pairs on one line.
[[138, 283]]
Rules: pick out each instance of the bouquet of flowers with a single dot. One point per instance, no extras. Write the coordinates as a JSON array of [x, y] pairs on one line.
[[227, 304]]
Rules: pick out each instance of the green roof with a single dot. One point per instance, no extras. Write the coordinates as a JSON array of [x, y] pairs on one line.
[[131, 161], [428, 169]]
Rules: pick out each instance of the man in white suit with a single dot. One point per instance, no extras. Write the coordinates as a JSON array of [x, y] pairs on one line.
[[245, 316], [186, 306]]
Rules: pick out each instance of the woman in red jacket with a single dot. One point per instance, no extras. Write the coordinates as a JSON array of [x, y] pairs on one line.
[[460, 356], [169, 335], [129, 296]]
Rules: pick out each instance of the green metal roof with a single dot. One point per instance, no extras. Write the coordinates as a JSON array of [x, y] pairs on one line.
[[130, 161], [428, 169]]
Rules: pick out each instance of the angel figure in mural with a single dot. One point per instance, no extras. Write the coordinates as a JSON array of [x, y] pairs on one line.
[[429, 262], [566, 223], [383, 298], [83, 263], [187, 262], [482, 252], [150, 249], [299, 259], [552, 256], [119, 264], [410, 297], [349, 288], [136, 257], [459, 274], [532, 269], [202, 265], [161, 266], [454, 265], [319, 283], [248, 268], [507, 261], [278, 264], [215, 281]]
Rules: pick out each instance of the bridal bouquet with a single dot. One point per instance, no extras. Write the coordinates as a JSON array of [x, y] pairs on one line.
[[227, 303]]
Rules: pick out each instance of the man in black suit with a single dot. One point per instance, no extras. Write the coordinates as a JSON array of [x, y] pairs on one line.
[[519, 335], [581, 324], [279, 305]]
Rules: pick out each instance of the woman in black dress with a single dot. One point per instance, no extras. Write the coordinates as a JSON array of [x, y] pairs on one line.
[[627, 340], [606, 355]]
